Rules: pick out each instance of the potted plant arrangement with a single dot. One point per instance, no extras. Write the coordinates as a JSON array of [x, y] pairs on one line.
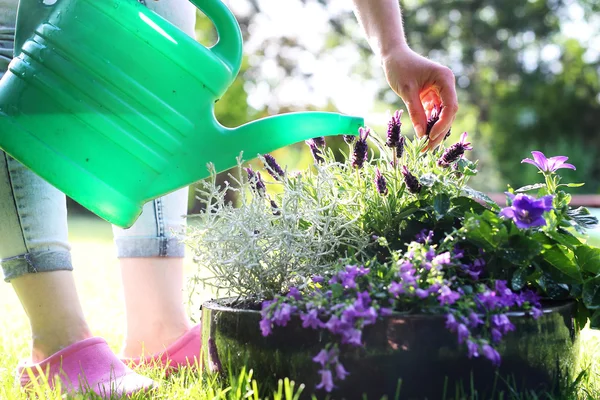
[[386, 274]]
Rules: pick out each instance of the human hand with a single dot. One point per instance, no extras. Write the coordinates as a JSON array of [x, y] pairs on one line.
[[428, 90]]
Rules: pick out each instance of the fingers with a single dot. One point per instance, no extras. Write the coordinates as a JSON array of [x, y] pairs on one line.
[[416, 112], [447, 93]]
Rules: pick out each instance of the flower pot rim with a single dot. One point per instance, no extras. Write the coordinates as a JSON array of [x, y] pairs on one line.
[[548, 307]]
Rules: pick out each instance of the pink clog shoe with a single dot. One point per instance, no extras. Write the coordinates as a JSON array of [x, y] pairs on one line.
[[88, 365], [185, 351]]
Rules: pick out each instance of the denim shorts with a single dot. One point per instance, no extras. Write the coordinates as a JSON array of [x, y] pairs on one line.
[[33, 214]]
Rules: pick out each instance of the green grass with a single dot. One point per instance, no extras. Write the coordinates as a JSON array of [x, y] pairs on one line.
[[99, 285]]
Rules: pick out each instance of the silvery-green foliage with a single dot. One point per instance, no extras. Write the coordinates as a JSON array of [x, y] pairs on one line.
[[256, 251]]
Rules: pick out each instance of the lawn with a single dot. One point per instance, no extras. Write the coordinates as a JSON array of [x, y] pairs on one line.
[[99, 285]]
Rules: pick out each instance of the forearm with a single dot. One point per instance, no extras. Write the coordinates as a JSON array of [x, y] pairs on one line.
[[382, 23]]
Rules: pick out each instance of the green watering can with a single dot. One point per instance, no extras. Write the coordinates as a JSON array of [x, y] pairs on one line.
[[113, 105]]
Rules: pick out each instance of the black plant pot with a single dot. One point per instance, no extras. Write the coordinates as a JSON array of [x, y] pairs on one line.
[[416, 349]]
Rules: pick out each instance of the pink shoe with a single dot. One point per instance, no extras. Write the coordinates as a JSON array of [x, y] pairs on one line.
[[88, 365], [185, 351]]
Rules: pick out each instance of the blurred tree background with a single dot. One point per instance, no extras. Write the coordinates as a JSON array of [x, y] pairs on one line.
[[528, 75]]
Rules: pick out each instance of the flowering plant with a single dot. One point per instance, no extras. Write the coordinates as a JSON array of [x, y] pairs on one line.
[[345, 243]]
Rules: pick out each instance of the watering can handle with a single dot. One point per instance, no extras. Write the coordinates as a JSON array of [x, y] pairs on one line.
[[229, 46]]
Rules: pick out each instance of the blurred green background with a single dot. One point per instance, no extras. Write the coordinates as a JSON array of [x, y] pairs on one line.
[[528, 75]]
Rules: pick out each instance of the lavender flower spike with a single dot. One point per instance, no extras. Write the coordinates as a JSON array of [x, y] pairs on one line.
[[349, 139], [380, 183], [256, 182], [359, 156], [393, 133], [412, 183], [548, 164], [273, 167], [320, 141], [315, 151], [455, 152], [433, 118], [527, 211]]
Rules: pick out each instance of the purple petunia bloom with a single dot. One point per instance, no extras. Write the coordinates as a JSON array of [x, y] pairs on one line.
[[527, 211], [502, 323], [317, 279], [326, 380], [421, 293], [352, 336], [548, 164], [474, 320]]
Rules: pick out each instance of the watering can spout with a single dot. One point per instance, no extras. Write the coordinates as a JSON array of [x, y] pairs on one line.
[[269, 134]]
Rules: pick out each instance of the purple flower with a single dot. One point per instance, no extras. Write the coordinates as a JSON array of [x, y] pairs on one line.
[[488, 299], [463, 333], [275, 207], [548, 164], [311, 320], [396, 289], [295, 294], [536, 312], [421, 293], [502, 323], [322, 358], [317, 279], [326, 380], [474, 320], [352, 336], [385, 311], [527, 211], [442, 259], [315, 151], [359, 155], [265, 326], [362, 271], [425, 236], [496, 335], [472, 348], [340, 371], [256, 182], [430, 254], [433, 118], [455, 152], [412, 183], [282, 314], [380, 183], [491, 354], [363, 299], [393, 132], [451, 323], [475, 269], [273, 167], [349, 139], [400, 147], [447, 296], [319, 141]]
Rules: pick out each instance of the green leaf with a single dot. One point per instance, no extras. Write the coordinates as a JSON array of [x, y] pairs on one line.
[[466, 167], [582, 315], [529, 188], [595, 320], [591, 293], [461, 205], [588, 259], [477, 195], [557, 258], [566, 239], [583, 217], [441, 204], [572, 185], [519, 279]]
